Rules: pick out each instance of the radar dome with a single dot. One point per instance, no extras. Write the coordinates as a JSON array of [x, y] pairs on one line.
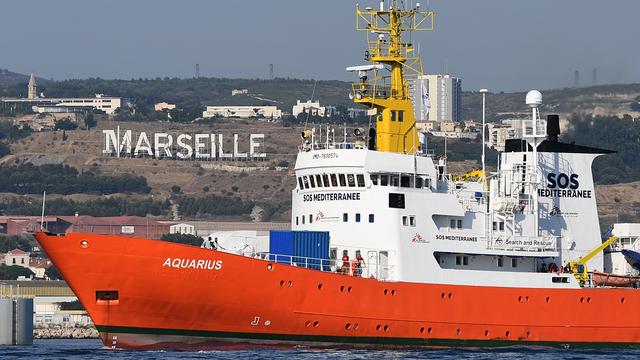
[[534, 98]]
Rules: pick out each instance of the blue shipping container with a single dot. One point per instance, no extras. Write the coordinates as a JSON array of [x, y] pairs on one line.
[[303, 248]]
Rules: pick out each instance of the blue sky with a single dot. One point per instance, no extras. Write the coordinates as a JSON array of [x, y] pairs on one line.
[[500, 44]]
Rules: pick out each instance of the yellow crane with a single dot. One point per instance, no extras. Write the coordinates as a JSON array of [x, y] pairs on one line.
[[579, 267]]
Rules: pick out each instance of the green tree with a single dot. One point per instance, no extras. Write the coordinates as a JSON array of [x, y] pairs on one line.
[[187, 239], [14, 271], [52, 273]]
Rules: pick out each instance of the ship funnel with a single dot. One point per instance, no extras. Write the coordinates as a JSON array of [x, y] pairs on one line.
[[553, 127]]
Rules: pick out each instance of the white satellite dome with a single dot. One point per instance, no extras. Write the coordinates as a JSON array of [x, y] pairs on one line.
[[534, 98]]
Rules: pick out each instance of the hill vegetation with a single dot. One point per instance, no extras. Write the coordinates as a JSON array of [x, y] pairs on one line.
[[63, 179]]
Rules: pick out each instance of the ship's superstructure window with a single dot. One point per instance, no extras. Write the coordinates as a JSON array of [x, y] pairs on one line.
[[334, 180], [374, 179], [325, 179], [310, 219], [300, 183], [500, 261], [312, 181], [360, 179], [409, 220], [498, 226], [462, 260], [357, 217], [384, 180], [396, 201], [514, 262], [296, 220], [306, 182], [351, 180], [394, 180], [455, 223], [343, 180], [405, 181], [372, 218], [418, 182], [302, 219], [345, 217], [319, 180]]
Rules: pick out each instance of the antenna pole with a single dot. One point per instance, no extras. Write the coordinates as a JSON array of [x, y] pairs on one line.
[[44, 197]]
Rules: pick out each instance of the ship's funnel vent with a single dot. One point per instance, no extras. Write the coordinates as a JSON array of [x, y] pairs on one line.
[[553, 127]]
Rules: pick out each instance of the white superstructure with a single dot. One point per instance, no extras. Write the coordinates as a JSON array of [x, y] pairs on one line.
[[245, 112], [411, 221]]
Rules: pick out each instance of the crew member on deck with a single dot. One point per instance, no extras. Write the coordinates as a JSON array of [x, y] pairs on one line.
[[359, 262], [345, 262], [441, 166]]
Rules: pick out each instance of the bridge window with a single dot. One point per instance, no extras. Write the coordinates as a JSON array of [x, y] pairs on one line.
[[306, 182], [405, 181], [500, 261], [514, 262], [351, 180], [345, 217], [357, 217], [319, 180], [400, 115], [334, 180], [371, 218], [418, 182], [343, 180], [412, 220], [384, 180], [360, 179], [393, 115], [300, 183], [374, 179], [325, 178], [394, 180], [312, 181]]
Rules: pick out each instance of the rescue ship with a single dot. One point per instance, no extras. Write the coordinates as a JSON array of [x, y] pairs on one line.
[[440, 260]]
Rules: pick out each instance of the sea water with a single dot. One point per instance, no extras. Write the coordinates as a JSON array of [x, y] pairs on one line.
[[93, 349]]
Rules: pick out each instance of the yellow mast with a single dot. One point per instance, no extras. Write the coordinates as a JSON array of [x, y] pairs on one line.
[[389, 95]]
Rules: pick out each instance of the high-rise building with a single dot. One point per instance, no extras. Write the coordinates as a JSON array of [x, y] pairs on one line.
[[32, 93], [436, 97]]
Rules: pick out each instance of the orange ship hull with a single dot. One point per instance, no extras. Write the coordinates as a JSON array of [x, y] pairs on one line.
[[177, 296]]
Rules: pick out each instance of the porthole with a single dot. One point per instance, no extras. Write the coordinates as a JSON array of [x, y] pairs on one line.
[[316, 323], [386, 328], [342, 288], [385, 291], [450, 295], [507, 333], [519, 298], [281, 283], [442, 296], [269, 267], [349, 289], [486, 333], [290, 283], [588, 300], [355, 326], [393, 292], [547, 299], [581, 300], [84, 244], [429, 330], [319, 286], [457, 332], [422, 330], [378, 327], [307, 323], [622, 300], [347, 326]]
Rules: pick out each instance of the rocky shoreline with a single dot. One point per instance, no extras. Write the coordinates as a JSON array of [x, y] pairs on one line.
[[64, 332]]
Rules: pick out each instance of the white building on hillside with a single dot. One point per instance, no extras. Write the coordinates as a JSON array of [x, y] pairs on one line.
[[437, 97], [101, 102], [245, 112], [313, 108], [17, 257], [182, 228]]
